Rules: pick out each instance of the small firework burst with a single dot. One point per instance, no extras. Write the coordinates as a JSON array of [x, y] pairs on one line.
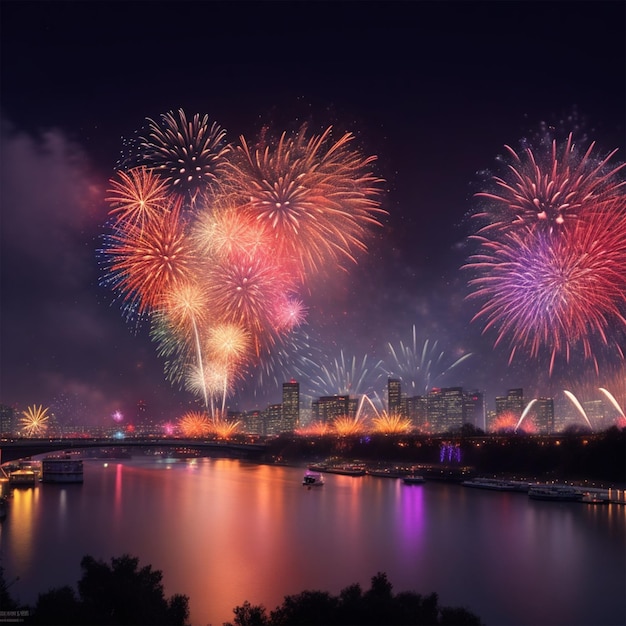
[[34, 420], [186, 153], [136, 196], [194, 424], [391, 424]]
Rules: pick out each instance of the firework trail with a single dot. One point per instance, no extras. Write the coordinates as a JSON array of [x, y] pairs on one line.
[[549, 272], [420, 365]]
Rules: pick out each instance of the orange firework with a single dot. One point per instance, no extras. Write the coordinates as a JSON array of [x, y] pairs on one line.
[[137, 196], [226, 231], [345, 426], [34, 420], [228, 344], [314, 429], [146, 263], [195, 424], [316, 197], [391, 424]]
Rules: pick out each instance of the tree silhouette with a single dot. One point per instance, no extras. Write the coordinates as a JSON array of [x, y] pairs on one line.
[[378, 606], [117, 595]]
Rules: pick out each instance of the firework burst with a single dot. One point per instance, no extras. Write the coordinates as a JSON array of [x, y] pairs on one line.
[[145, 263], [346, 376], [391, 424], [194, 424], [34, 420], [308, 190], [136, 196], [186, 153], [554, 185], [420, 364], [347, 426], [556, 291], [549, 272]]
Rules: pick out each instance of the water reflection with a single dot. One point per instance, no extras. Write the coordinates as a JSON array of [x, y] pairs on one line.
[[224, 532]]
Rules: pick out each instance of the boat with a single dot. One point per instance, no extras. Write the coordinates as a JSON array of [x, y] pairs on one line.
[[61, 470], [385, 472], [347, 469], [413, 479], [4, 507], [312, 479], [496, 484], [22, 478], [559, 493], [594, 498]]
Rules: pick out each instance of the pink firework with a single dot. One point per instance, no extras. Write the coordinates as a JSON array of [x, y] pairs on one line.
[[316, 197], [555, 290], [551, 186], [243, 290]]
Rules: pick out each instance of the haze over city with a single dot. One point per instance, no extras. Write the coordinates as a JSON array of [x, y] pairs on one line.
[[433, 91]]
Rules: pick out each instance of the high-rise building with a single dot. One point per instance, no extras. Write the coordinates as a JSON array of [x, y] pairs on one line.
[[253, 423], [327, 409], [544, 408], [272, 416], [291, 406], [475, 409], [446, 409], [394, 396], [512, 403], [416, 409]]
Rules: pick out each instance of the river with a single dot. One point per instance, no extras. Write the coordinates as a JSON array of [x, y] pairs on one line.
[[223, 531]]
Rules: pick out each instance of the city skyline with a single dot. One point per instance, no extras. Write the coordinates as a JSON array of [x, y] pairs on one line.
[[435, 107]]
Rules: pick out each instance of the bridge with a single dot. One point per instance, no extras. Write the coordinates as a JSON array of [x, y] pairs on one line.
[[15, 449]]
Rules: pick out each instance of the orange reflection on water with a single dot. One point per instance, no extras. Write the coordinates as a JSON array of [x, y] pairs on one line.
[[22, 522]]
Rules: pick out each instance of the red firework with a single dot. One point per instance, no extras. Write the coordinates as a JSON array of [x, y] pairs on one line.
[[145, 263], [562, 183], [316, 198]]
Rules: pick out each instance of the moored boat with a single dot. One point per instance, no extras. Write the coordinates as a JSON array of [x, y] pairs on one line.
[[22, 478], [496, 484], [413, 479], [558, 493]]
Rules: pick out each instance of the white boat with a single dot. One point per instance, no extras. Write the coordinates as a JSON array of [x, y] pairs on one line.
[[313, 479], [61, 470]]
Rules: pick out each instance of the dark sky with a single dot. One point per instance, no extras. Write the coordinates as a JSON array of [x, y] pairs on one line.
[[433, 89]]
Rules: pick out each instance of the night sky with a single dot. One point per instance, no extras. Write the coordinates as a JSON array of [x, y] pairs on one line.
[[433, 89]]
